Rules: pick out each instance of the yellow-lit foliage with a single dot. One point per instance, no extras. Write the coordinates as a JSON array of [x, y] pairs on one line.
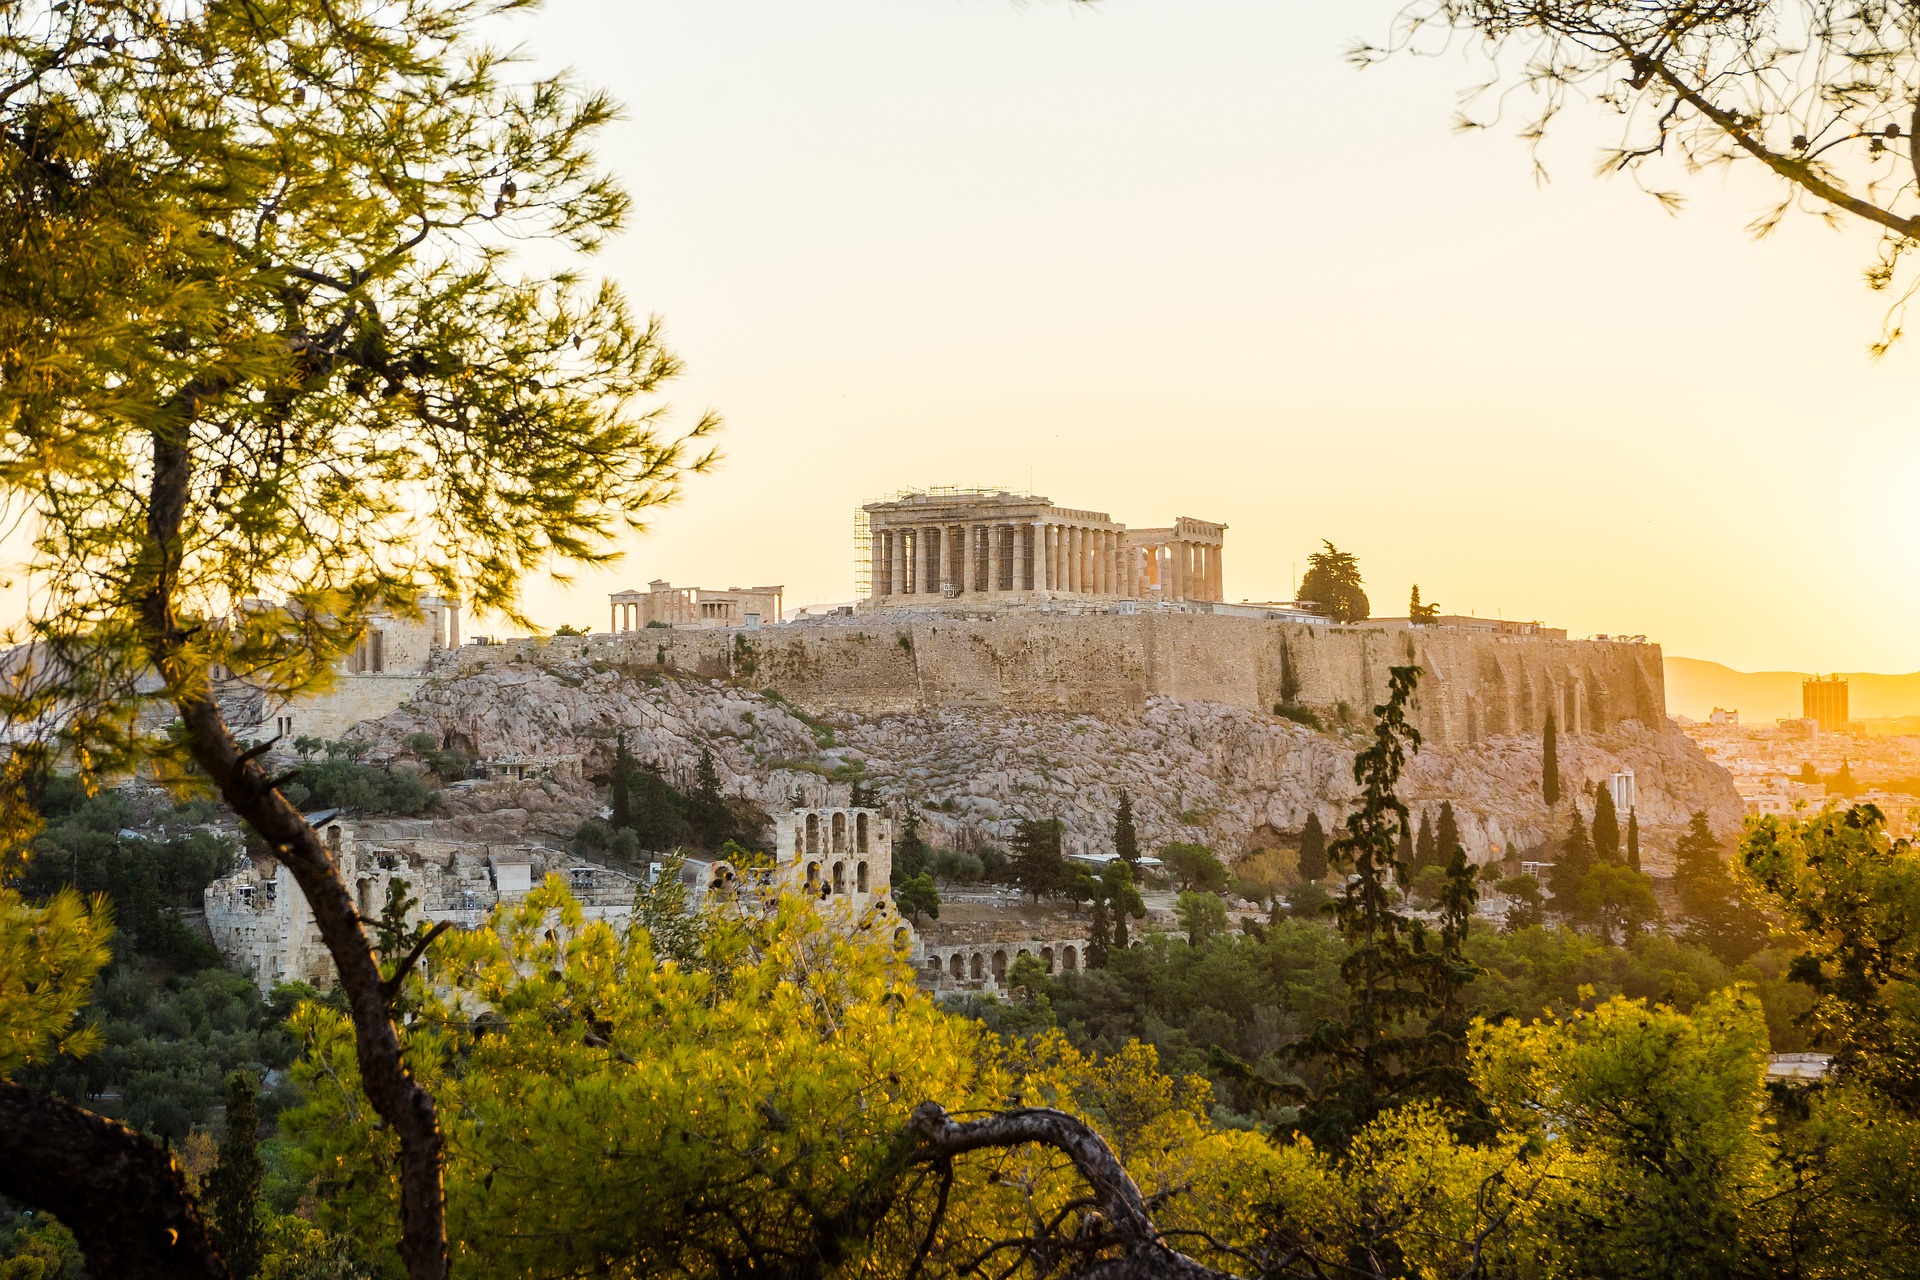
[[49, 956], [607, 1114]]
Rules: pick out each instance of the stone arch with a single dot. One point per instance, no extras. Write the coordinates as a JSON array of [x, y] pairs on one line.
[[860, 836], [957, 966], [813, 874], [1046, 958], [839, 877], [860, 877], [933, 964], [979, 966], [839, 833], [901, 937], [1000, 965], [1069, 959], [813, 833]]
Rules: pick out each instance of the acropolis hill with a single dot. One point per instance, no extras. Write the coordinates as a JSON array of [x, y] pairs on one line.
[[1477, 687]]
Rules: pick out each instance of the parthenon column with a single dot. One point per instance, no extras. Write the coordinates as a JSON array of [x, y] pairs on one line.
[[897, 562], [1111, 563], [1219, 577], [1177, 561]]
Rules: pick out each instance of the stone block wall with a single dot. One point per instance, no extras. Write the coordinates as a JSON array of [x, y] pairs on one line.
[[1478, 686]]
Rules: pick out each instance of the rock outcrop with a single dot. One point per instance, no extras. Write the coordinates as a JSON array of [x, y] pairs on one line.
[[1230, 776]]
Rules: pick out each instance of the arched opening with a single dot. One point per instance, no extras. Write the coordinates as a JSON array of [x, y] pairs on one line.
[[813, 874], [979, 967], [813, 833], [900, 938], [860, 832], [860, 877], [839, 877], [999, 966], [839, 833], [1068, 960], [933, 965], [1046, 958], [957, 967]]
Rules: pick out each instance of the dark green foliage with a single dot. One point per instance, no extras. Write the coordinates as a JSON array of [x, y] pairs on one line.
[[1527, 908], [1425, 847], [620, 796], [1126, 840], [1606, 826], [1119, 897], [1193, 866], [447, 763], [1571, 865], [659, 812], [1333, 582], [233, 1188], [1201, 915], [1039, 865], [37, 1246], [1633, 838], [150, 878], [1420, 614], [912, 855], [1298, 714], [1099, 935], [171, 1043], [916, 896], [1404, 850], [1313, 850], [710, 823], [1718, 917], [1550, 764], [1370, 1058], [1446, 837], [1289, 681]]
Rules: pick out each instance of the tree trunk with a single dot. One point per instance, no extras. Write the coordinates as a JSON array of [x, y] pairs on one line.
[[117, 1190], [250, 793]]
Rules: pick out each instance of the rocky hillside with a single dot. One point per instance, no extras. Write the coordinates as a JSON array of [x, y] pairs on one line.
[[1232, 778]]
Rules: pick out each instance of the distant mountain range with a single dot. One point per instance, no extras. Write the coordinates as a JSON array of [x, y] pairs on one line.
[[1695, 688]]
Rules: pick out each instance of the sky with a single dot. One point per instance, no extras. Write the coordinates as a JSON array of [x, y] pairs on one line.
[[1161, 259]]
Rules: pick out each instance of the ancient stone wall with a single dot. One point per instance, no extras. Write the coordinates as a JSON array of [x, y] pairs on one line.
[[1478, 686]]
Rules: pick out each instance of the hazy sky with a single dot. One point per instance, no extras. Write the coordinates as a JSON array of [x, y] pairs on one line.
[[1175, 257]]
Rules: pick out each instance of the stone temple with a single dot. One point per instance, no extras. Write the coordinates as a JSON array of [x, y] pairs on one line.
[[992, 546]]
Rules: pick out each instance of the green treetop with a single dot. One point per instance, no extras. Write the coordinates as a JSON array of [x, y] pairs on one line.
[[1550, 764], [1126, 840], [1313, 850], [1332, 581], [1606, 825]]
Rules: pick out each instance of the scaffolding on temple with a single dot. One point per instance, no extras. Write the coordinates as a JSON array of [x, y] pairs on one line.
[[863, 526]]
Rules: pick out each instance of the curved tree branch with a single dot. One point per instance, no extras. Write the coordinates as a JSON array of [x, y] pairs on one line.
[[118, 1191], [1142, 1252]]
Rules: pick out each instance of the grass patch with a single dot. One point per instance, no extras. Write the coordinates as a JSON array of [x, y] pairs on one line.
[[822, 731]]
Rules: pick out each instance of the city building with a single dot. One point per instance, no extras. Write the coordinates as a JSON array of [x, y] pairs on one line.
[[1484, 626], [1825, 702], [993, 546], [663, 604], [1724, 715]]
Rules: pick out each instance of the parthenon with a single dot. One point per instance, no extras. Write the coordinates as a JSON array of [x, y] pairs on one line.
[[1016, 548]]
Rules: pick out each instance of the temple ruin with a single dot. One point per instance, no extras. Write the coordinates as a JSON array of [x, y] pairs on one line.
[[993, 546], [664, 605]]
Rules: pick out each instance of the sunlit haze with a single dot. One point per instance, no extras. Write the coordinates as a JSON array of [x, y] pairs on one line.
[[1165, 259]]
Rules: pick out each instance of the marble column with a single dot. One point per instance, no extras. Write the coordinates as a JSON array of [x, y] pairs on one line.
[[1177, 560], [898, 561]]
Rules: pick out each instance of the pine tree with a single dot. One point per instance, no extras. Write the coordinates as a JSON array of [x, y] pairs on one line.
[[1424, 847], [709, 820], [1370, 1058], [1039, 866], [1717, 917], [1446, 837], [1571, 867], [233, 1188], [1550, 765], [659, 812], [1442, 1052], [1633, 838], [1606, 826], [1122, 899], [1126, 840], [1313, 850], [622, 798], [911, 853]]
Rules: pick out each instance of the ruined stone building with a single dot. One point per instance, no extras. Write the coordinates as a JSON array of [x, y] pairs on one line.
[[997, 547], [383, 668], [666, 605], [262, 924], [843, 857]]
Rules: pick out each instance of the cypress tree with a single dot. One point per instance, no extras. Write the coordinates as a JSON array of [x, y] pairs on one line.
[[1313, 850], [1550, 764], [1097, 943], [1446, 837], [1126, 840], [1633, 838], [708, 817], [233, 1188], [1423, 848], [622, 797], [1606, 826], [1122, 899], [659, 811], [1403, 852]]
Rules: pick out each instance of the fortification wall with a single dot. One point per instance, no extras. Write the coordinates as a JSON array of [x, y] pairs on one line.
[[1479, 685]]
